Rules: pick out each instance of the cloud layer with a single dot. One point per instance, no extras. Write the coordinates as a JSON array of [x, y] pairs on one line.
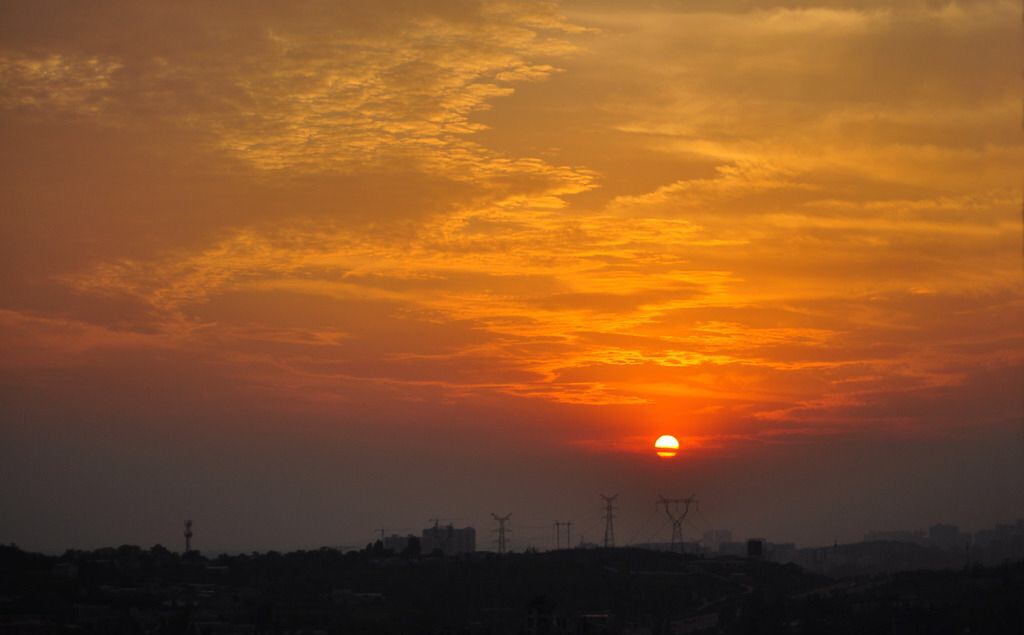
[[773, 221]]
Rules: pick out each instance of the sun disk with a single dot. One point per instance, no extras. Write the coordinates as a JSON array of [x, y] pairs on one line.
[[667, 446]]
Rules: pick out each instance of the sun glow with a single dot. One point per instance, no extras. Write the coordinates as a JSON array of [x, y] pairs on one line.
[[667, 446]]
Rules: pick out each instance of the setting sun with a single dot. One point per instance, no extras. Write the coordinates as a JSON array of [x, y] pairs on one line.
[[667, 446]]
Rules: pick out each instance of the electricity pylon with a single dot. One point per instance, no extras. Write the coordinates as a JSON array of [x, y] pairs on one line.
[[609, 516], [501, 530], [188, 536], [676, 517]]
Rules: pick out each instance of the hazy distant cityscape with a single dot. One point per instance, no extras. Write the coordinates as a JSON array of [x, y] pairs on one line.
[[449, 579], [940, 546], [442, 582]]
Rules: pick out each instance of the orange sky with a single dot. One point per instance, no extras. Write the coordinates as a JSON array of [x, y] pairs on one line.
[[766, 227]]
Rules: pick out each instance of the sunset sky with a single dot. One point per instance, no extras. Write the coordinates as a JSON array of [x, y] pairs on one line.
[[300, 271]]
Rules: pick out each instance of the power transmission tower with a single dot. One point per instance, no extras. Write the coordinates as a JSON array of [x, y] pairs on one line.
[[568, 534], [188, 536], [609, 516], [676, 516], [501, 530], [558, 535]]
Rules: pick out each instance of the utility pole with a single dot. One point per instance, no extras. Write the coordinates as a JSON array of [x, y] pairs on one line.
[[609, 516], [188, 536], [677, 517], [501, 530], [568, 534]]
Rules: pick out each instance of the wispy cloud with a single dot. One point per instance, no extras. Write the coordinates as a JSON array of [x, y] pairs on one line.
[[765, 215]]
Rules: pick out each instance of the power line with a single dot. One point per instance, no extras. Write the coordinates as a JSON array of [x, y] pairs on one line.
[[586, 519], [639, 534]]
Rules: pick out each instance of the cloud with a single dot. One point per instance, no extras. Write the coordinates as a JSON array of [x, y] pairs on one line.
[[328, 89], [765, 215], [889, 93], [54, 82]]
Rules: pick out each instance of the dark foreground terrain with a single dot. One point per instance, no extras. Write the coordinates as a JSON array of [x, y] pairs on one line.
[[133, 590]]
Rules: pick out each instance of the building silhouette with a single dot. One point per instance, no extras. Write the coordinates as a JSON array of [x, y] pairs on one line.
[[449, 540]]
